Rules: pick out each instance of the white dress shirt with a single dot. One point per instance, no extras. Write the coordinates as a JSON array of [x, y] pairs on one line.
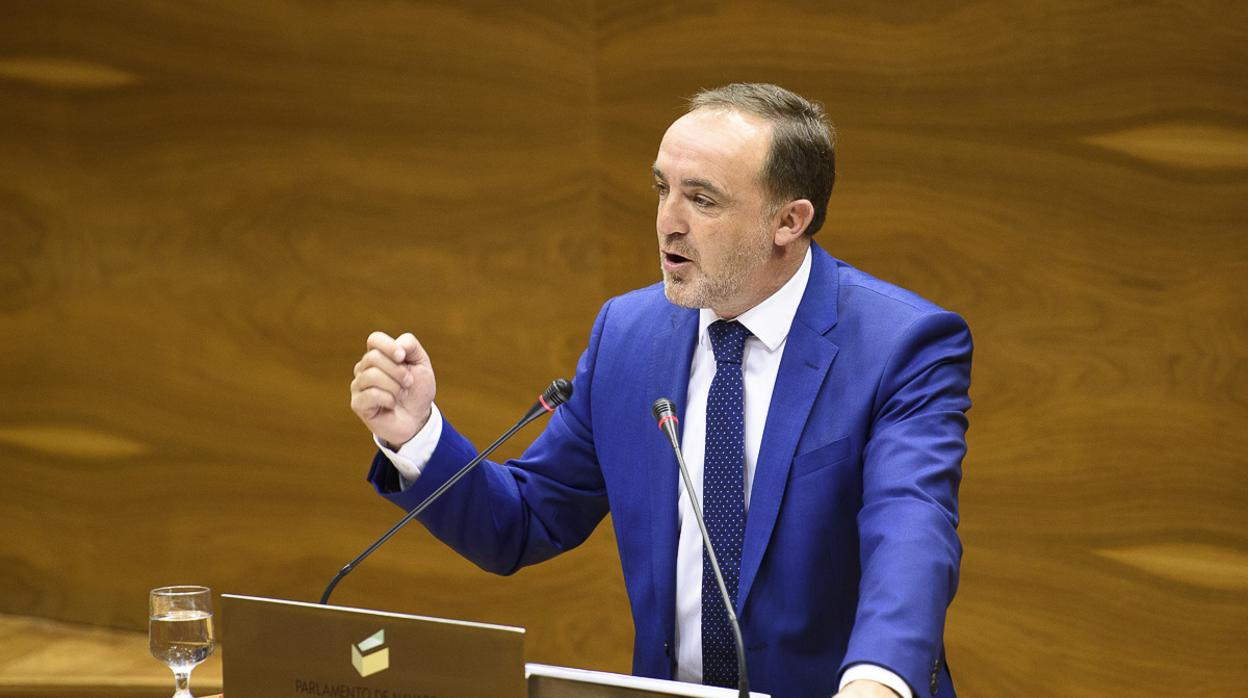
[[769, 323]]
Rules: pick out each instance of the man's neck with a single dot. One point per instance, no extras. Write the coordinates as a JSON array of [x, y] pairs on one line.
[[777, 273]]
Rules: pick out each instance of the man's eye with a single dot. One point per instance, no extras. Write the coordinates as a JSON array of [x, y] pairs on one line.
[[660, 188], [702, 201]]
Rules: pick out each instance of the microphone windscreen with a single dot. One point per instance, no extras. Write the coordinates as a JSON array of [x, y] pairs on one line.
[[663, 408], [557, 393]]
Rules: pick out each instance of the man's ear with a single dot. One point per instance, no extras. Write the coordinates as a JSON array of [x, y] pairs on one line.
[[792, 220]]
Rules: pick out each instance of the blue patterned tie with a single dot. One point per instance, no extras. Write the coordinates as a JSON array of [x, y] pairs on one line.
[[723, 500]]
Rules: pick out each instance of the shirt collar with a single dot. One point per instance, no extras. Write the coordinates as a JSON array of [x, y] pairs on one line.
[[771, 319]]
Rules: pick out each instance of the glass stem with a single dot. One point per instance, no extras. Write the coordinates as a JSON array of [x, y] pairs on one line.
[[182, 683]]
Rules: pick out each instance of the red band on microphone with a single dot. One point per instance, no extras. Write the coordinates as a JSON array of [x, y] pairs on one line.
[[664, 420], [542, 400]]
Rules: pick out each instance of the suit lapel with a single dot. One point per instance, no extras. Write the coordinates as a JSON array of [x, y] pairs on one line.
[[670, 359], [808, 356]]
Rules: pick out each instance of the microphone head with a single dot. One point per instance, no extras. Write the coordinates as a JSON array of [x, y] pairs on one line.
[[663, 408], [556, 394]]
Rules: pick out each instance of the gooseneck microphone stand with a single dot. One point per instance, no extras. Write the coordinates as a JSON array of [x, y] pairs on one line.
[[555, 394], [665, 412]]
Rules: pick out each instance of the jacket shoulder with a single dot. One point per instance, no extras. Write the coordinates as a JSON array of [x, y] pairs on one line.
[[867, 290], [863, 297], [642, 306], [649, 297]]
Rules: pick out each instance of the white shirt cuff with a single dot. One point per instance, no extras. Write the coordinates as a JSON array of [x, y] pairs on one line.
[[878, 674], [412, 457]]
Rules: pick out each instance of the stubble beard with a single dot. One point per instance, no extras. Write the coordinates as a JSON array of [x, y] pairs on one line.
[[719, 287]]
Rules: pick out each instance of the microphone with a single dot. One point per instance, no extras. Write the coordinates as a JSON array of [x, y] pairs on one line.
[[555, 394], [665, 412]]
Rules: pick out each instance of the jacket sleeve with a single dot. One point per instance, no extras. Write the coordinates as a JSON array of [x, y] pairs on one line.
[[502, 516], [912, 467]]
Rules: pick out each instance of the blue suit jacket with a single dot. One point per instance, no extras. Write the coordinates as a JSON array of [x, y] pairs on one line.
[[851, 553]]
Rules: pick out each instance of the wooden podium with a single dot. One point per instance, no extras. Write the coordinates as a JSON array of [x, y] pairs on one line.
[[545, 681], [280, 648]]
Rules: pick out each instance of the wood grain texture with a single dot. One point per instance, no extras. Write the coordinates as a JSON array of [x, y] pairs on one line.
[[193, 257], [205, 210], [40, 657]]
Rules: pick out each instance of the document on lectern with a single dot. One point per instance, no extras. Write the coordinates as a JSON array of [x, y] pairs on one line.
[[278, 649], [561, 682]]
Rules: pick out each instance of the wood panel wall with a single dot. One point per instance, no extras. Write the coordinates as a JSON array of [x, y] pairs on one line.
[[205, 208]]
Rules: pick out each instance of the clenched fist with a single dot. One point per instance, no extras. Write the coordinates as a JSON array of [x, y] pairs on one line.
[[393, 388]]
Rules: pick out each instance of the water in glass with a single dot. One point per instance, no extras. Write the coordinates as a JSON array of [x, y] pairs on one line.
[[180, 630]]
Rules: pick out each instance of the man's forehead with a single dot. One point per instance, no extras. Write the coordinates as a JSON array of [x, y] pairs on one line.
[[719, 144]]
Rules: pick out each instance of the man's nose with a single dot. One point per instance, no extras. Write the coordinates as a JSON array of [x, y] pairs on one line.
[[669, 220]]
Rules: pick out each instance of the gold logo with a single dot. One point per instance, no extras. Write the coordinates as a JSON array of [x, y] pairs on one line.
[[369, 657]]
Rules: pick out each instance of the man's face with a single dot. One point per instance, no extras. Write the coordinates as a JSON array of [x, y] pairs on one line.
[[715, 239]]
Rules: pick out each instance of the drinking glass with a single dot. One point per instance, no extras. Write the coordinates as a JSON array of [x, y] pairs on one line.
[[179, 630]]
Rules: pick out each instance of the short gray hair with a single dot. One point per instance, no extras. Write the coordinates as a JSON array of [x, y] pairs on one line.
[[801, 163]]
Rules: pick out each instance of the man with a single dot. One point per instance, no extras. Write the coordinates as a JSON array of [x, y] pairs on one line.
[[828, 405]]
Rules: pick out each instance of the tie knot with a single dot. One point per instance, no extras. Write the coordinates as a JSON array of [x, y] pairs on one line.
[[728, 341]]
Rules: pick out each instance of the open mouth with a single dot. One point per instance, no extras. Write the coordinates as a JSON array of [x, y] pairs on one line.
[[675, 260]]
